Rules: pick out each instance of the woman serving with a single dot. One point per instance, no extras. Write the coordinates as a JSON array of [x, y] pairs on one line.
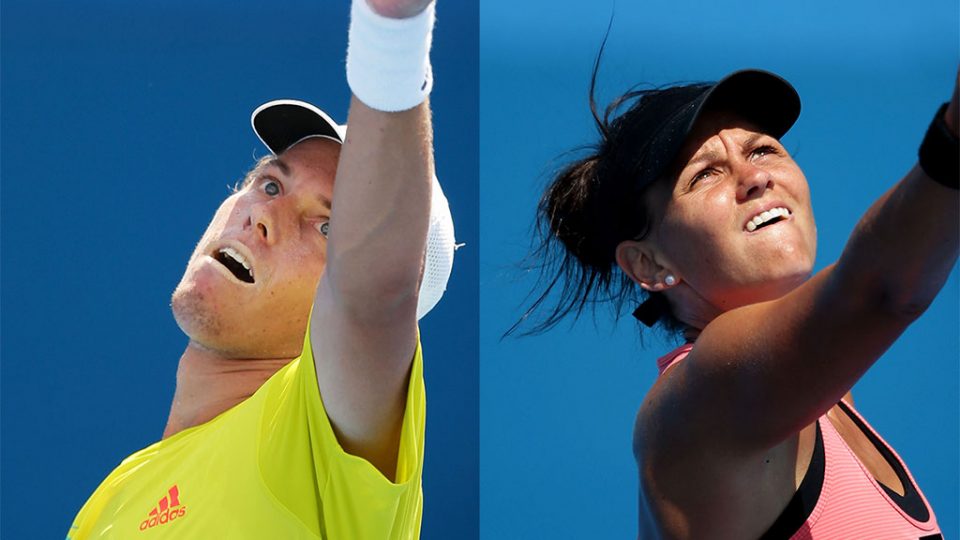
[[750, 431]]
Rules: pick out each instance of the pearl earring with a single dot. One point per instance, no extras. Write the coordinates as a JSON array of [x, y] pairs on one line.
[[670, 280]]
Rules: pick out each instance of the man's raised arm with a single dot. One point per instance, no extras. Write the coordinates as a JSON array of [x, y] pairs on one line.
[[364, 326]]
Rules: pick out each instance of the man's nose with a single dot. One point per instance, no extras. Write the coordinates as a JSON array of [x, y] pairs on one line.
[[262, 219]]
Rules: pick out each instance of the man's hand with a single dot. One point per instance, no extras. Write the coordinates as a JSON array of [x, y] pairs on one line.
[[398, 9]]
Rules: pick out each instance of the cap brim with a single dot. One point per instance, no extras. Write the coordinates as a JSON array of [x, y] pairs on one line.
[[760, 97], [283, 123]]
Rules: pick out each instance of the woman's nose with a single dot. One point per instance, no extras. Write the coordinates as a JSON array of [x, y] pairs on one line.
[[753, 182]]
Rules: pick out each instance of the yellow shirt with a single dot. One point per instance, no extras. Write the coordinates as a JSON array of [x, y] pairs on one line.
[[270, 467]]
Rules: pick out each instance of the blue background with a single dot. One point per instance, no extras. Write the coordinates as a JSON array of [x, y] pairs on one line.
[[122, 127], [558, 409], [123, 123]]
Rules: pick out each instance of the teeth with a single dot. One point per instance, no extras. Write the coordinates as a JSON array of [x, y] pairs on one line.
[[233, 254], [766, 216]]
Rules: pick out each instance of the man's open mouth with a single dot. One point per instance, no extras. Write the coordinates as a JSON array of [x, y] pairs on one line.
[[235, 263]]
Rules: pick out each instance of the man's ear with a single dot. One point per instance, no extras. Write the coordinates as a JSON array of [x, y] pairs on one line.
[[640, 262]]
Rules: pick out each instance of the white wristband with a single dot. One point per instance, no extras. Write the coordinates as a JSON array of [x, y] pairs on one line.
[[388, 60]]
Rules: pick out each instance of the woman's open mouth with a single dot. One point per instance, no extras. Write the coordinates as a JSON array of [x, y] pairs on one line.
[[766, 218]]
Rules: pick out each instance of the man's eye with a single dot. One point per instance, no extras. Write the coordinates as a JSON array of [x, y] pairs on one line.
[[324, 228], [271, 188]]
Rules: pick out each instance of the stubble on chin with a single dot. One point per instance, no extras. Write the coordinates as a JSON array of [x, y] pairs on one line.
[[193, 314]]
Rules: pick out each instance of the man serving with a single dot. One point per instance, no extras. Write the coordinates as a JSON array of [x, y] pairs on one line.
[[299, 406]]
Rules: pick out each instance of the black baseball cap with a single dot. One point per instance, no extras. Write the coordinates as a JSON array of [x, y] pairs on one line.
[[283, 123]]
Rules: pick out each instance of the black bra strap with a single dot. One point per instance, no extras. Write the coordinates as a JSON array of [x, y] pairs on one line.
[[803, 502]]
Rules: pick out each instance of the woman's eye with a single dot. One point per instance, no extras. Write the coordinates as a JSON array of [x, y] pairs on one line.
[[324, 228], [763, 150], [700, 176], [271, 188]]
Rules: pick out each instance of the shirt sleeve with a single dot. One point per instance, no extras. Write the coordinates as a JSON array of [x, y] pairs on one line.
[[332, 492]]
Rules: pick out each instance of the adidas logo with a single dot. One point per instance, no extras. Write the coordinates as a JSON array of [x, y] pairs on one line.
[[166, 510]]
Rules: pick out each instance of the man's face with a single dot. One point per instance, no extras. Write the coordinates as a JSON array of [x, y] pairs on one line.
[[249, 284]]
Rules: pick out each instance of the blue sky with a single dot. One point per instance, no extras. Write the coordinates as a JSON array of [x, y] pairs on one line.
[[557, 409]]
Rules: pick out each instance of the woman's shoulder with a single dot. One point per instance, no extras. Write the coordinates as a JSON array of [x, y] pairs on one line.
[[687, 472], [675, 426], [652, 422]]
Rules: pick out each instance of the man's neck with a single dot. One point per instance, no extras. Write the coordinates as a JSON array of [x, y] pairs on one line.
[[209, 383]]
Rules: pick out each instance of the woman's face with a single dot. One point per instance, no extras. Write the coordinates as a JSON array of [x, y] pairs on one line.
[[737, 227]]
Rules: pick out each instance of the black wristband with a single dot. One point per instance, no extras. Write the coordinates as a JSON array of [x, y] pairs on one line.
[[940, 152]]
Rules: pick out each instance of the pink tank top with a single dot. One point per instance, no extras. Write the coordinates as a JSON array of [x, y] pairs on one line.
[[839, 498]]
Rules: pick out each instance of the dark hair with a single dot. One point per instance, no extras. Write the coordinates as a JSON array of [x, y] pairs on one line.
[[598, 201]]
